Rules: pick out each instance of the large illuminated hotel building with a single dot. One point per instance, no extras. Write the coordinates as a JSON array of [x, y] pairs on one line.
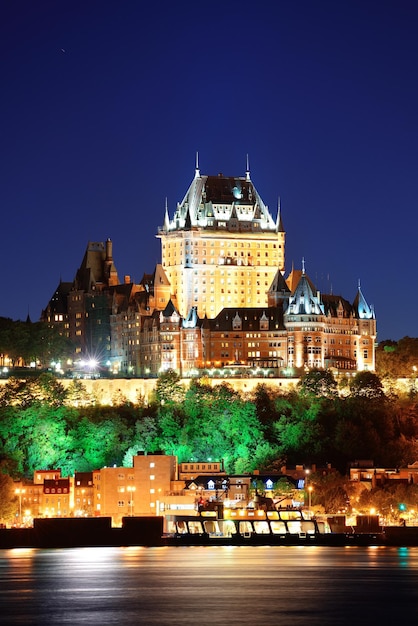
[[218, 303], [222, 247]]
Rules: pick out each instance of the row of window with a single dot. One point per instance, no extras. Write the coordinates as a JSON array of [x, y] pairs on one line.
[[228, 244]]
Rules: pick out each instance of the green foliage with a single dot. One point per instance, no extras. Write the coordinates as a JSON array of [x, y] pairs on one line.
[[45, 437], [169, 388], [44, 427], [46, 389], [331, 491], [265, 399], [145, 439], [298, 430], [220, 424], [37, 390], [14, 339], [392, 500], [367, 385], [77, 395], [397, 359], [37, 342], [102, 443], [319, 384], [8, 500]]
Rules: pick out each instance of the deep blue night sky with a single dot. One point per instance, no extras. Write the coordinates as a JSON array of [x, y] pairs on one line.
[[105, 103]]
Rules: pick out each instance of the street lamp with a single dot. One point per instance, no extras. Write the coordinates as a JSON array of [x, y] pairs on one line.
[[19, 492], [307, 472], [310, 489], [131, 494]]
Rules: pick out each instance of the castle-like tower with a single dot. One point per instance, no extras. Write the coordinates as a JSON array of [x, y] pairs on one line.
[[222, 248]]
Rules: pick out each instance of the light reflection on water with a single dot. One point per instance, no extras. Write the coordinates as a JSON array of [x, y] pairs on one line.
[[209, 586]]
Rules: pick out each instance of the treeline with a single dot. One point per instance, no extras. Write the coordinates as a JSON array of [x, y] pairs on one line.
[[44, 426], [397, 359], [32, 342]]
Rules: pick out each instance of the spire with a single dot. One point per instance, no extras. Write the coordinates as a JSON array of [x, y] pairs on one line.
[[305, 299], [166, 217], [279, 223], [364, 311], [247, 171], [197, 170]]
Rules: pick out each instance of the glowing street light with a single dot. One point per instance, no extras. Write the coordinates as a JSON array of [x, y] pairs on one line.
[[310, 489]]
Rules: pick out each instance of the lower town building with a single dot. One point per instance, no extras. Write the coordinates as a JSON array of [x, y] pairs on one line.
[[156, 485], [366, 473]]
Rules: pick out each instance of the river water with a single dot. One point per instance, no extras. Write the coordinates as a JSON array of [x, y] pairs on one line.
[[219, 586]]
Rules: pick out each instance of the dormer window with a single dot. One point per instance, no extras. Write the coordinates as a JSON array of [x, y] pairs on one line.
[[237, 323]]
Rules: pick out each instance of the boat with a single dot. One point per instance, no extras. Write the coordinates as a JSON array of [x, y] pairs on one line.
[[221, 526], [287, 526]]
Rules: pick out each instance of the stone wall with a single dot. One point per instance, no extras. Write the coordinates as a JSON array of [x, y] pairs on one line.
[[108, 391]]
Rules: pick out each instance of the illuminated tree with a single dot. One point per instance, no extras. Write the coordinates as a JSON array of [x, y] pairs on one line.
[[7, 499], [77, 395], [299, 430], [386, 500], [265, 399], [367, 385], [32, 342], [46, 389], [42, 389], [332, 491], [47, 443], [14, 339], [34, 438], [99, 443], [283, 488], [15, 393], [145, 439], [169, 388], [12, 440], [397, 359], [318, 383]]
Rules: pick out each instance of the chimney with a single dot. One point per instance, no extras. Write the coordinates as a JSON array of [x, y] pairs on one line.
[[108, 249]]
